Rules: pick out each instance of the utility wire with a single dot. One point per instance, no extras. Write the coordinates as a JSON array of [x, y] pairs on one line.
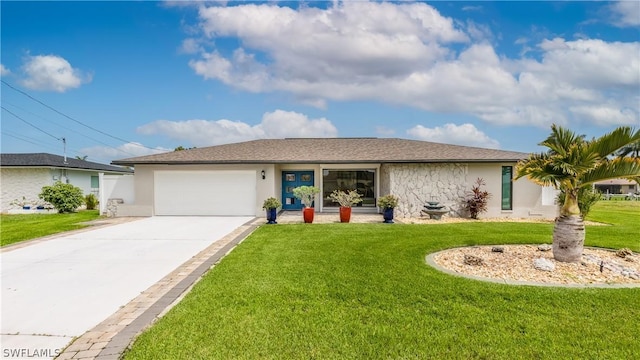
[[70, 129], [35, 141], [27, 139], [70, 118], [30, 124]]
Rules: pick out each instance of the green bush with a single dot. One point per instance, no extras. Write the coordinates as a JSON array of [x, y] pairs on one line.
[[63, 197], [587, 197], [91, 201]]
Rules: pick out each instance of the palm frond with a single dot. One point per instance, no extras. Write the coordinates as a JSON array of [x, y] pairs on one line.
[[612, 169], [561, 140], [612, 142]]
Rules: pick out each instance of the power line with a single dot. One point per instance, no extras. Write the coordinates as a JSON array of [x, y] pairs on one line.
[[30, 124], [72, 130], [69, 117], [34, 141]]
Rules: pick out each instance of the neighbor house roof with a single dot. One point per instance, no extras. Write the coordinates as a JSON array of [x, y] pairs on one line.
[[616, 182], [328, 150], [36, 160]]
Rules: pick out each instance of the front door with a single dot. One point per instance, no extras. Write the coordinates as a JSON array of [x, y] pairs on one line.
[[290, 181]]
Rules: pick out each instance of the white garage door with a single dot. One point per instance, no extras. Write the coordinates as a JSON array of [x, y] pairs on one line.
[[231, 192]]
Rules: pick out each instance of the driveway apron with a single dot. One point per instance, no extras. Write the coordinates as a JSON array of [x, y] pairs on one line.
[[55, 290]]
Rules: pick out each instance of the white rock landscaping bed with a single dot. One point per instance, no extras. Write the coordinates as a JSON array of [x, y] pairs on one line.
[[516, 263]]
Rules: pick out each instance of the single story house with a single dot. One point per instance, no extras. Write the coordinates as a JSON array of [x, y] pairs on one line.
[[235, 179], [24, 175], [617, 186]]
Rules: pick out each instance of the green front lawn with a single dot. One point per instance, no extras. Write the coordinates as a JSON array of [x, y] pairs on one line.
[[363, 291], [16, 228]]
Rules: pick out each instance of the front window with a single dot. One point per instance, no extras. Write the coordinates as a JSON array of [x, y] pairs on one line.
[[507, 187], [95, 184], [362, 181]]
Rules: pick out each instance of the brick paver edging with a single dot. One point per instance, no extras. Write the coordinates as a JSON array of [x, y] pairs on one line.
[[109, 339]]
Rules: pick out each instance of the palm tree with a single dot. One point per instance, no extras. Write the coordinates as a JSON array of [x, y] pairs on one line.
[[572, 163], [632, 150]]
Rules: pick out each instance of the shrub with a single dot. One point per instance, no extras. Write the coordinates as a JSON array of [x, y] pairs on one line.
[[271, 203], [476, 202], [91, 201], [587, 197], [387, 202], [306, 194], [63, 197], [345, 198]]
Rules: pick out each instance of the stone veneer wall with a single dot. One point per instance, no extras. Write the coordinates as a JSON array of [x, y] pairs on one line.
[[415, 184]]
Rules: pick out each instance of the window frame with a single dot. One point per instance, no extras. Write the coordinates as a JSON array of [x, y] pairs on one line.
[[503, 183]]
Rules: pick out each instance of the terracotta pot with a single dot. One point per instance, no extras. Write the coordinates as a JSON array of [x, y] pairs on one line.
[[345, 214], [307, 214]]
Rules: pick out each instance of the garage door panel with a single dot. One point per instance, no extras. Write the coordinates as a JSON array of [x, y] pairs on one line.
[[205, 192]]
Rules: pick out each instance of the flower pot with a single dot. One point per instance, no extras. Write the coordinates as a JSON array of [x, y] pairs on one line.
[[345, 214], [271, 216], [387, 215], [307, 214], [26, 207], [40, 207]]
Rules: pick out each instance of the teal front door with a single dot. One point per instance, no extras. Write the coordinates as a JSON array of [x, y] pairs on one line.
[[290, 181]]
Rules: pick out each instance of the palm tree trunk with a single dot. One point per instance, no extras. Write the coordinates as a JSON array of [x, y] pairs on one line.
[[568, 238]]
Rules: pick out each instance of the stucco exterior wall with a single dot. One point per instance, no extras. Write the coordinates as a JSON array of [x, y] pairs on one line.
[[527, 196], [81, 179]]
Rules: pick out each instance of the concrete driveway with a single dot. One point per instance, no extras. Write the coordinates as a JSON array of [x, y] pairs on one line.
[[58, 289]]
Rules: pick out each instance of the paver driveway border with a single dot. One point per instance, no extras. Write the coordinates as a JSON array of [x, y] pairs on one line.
[[109, 339]]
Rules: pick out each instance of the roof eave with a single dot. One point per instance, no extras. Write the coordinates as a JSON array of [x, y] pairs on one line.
[[326, 161]]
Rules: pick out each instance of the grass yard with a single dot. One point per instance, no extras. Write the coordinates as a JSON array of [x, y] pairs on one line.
[[363, 291], [16, 228]]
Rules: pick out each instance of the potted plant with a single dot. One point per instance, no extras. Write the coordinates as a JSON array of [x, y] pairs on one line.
[[387, 203], [346, 200], [271, 205], [306, 194], [24, 203]]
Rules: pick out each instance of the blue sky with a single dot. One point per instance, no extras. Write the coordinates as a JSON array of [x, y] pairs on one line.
[[133, 78]]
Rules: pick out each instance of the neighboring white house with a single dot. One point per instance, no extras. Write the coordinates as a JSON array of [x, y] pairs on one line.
[[618, 187], [24, 175], [235, 179]]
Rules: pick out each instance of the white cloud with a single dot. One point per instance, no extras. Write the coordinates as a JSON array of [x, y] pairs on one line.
[[471, 8], [384, 41], [465, 134], [607, 114], [190, 46], [4, 71], [51, 72], [127, 150], [409, 54], [276, 124], [625, 13]]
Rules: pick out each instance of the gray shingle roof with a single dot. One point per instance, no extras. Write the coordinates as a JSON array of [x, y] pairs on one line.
[[329, 151], [57, 161]]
